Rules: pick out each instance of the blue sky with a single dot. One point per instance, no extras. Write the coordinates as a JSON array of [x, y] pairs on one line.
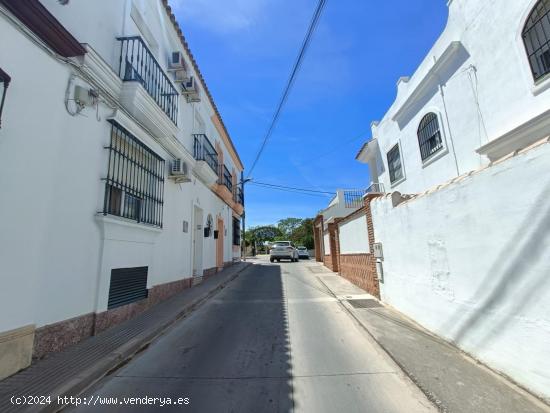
[[246, 48]]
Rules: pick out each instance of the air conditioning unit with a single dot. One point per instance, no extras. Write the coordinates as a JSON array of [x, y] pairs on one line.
[[178, 67], [177, 61], [179, 171], [191, 90]]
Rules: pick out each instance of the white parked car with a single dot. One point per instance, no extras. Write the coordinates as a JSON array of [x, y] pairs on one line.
[[283, 250], [302, 252]]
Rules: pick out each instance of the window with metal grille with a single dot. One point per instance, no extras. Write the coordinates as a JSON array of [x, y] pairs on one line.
[[127, 286], [236, 231], [536, 37], [394, 164], [429, 136], [134, 187]]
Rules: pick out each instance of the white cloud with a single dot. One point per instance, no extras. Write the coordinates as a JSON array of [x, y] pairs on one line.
[[221, 15]]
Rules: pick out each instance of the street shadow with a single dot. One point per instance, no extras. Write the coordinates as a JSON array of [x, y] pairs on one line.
[[230, 355], [510, 285]]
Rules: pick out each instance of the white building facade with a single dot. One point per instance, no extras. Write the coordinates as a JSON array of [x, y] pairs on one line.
[[480, 93], [463, 154], [119, 182]]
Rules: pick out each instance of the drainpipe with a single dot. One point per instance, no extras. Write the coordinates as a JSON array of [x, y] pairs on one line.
[[442, 93]]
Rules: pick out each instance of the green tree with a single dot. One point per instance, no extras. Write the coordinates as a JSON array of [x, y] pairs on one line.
[[261, 234], [303, 234], [288, 225]]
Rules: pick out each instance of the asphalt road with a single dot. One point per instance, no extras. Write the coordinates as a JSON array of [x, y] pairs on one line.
[[274, 340]]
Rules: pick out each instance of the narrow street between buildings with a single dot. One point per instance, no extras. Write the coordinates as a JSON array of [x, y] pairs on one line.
[[298, 337], [274, 340]]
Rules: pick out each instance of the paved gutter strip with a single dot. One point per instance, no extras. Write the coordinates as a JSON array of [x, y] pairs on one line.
[[76, 368]]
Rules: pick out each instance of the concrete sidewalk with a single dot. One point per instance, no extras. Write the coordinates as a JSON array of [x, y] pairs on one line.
[[450, 379], [71, 371]]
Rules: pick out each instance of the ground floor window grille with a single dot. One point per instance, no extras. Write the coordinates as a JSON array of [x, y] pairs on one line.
[[394, 164], [134, 187], [127, 285], [236, 231]]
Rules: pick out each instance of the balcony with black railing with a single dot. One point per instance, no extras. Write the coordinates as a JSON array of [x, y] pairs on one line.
[[239, 197], [353, 198], [137, 64], [203, 150], [226, 178]]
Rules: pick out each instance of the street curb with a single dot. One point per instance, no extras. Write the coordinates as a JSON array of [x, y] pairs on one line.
[[116, 359]]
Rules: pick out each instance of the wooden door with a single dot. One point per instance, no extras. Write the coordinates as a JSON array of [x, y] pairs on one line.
[[219, 243]]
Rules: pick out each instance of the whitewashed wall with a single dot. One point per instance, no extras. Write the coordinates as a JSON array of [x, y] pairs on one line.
[[53, 238], [481, 90], [471, 262], [354, 236], [326, 243]]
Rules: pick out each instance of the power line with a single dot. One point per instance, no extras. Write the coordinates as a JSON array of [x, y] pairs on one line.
[[324, 196], [303, 191], [291, 79], [292, 187], [331, 152]]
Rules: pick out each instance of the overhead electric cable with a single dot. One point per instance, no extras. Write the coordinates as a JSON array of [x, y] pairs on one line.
[[292, 187], [294, 191], [331, 152], [290, 82]]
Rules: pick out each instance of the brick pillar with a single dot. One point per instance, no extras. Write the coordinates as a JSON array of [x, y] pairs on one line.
[[318, 238], [334, 247], [373, 281], [337, 244]]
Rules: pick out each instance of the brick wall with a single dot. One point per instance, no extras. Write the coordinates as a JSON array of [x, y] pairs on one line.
[[327, 260], [318, 238], [334, 247], [360, 269]]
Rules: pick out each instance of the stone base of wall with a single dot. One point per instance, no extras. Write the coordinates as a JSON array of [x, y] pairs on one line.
[[109, 318], [360, 269], [55, 337], [209, 272], [163, 292], [15, 350]]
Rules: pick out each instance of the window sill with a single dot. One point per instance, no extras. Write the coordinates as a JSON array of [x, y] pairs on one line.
[[398, 182], [125, 222], [541, 85], [434, 157]]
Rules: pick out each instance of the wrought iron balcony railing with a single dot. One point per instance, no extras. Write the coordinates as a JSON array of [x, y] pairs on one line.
[[239, 197], [353, 198], [376, 188], [137, 63], [226, 178], [203, 150]]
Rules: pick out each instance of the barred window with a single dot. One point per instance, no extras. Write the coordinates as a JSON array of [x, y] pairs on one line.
[[429, 136], [394, 164], [536, 37], [236, 231], [134, 187]]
